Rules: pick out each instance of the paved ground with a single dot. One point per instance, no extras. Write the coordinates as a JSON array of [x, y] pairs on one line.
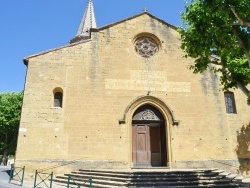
[[28, 180], [4, 179]]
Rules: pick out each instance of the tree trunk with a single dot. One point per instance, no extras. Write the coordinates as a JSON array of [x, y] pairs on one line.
[[245, 90], [5, 158]]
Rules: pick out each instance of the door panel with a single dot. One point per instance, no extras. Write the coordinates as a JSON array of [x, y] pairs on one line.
[[149, 145], [142, 153], [141, 141], [155, 141], [141, 145]]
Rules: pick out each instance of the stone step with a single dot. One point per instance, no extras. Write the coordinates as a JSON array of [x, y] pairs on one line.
[[101, 184], [96, 183], [149, 182], [86, 177], [148, 174], [196, 186], [141, 178], [143, 172], [180, 183], [151, 178]]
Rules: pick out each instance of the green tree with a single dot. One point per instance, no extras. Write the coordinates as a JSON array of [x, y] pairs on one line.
[[10, 112], [217, 34]]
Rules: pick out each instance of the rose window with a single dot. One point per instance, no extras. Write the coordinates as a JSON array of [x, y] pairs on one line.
[[146, 47]]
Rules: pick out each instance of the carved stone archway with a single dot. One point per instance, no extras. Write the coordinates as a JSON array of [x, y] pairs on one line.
[[167, 114], [148, 138]]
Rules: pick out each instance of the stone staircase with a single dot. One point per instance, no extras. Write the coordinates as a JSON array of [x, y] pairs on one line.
[[151, 178]]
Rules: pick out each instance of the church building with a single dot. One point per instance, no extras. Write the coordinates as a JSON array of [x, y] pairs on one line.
[[122, 97]]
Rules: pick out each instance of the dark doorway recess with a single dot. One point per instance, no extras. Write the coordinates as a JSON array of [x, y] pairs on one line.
[[149, 138]]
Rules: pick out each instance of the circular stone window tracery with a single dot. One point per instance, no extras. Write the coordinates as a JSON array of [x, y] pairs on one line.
[[146, 47]]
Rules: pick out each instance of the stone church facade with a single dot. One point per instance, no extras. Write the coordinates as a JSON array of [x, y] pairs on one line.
[[122, 96]]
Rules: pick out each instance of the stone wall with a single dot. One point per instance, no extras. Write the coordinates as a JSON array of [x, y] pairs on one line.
[[100, 78]]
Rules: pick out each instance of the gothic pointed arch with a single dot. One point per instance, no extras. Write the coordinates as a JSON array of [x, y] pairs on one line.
[[149, 100]]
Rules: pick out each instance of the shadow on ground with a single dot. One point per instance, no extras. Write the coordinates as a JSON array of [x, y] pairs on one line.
[[243, 149]]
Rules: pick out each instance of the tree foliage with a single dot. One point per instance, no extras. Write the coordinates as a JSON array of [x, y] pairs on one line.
[[10, 112], [217, 34]]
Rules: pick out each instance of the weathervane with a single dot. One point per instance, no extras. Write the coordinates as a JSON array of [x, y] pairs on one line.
[[145, 9]]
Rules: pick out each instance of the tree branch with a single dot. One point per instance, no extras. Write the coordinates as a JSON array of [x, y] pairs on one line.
[[240, 20], [243, 88], [247, 24], [242, 45]]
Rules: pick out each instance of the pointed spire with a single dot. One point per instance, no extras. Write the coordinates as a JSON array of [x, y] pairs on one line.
[[88, 21]]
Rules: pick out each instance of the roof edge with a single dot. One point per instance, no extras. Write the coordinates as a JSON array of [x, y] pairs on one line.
[[26, 59], [132, 17]]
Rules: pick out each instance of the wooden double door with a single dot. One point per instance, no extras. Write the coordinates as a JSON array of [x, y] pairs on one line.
[[149, 144]]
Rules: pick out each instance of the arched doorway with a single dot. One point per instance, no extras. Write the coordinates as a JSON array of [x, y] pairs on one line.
[[148, 138]]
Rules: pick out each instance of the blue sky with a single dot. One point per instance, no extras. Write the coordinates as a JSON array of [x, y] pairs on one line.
[[32, 26]]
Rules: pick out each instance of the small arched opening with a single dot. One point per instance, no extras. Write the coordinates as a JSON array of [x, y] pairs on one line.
[[58, 97]]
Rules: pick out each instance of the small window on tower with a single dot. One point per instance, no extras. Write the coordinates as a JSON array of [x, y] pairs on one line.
[[58, 98], [230, 102]]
